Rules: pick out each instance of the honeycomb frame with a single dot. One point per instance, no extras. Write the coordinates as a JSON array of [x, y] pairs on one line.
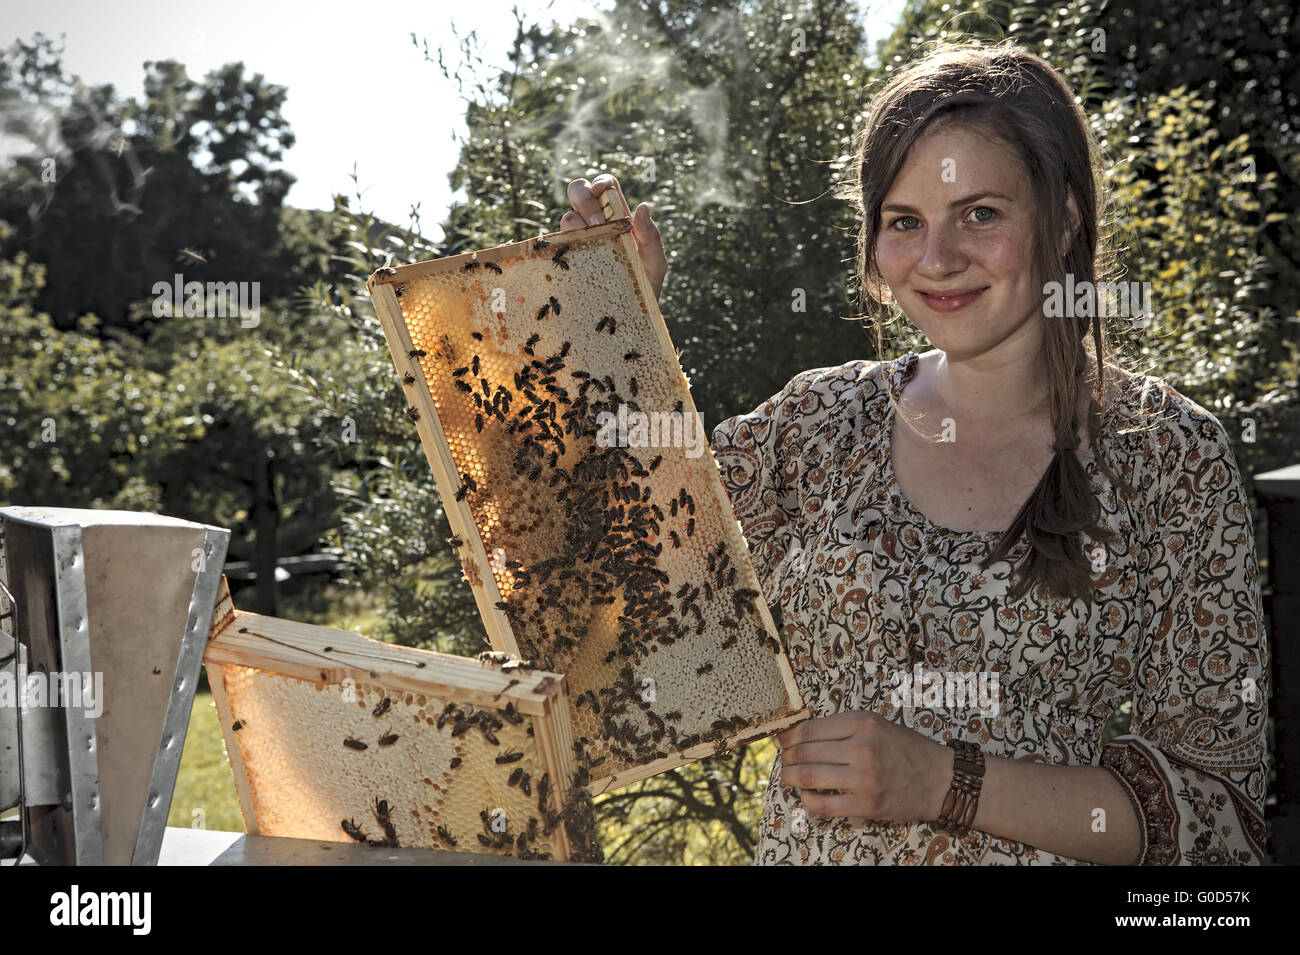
[[336, 737], [575, 566]]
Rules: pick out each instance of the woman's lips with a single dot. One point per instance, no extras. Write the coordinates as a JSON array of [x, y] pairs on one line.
[[950, 303]]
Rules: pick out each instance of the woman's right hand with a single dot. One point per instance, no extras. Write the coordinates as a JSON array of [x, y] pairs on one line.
[[587, 211]]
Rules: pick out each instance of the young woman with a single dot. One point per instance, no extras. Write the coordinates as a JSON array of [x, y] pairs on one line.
[[1008, 510]]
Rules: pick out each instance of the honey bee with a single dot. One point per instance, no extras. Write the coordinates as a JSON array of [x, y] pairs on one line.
[[455, 542], [469, 482], [478, 423], [690, 527], [677, 541], [353, 743], [600, 325], [413, 413], [632, 356], [633, 386], [707, 668], [493, 267], [237, 725], [558, 257], [408, 379], [564, 349], [464, 387], [445, 834], [456, 761], [416, 353], [516, 776], [474, 366], [353, 829], [460, 492], [730, 642], [511, 757], [543, 311], [471, 266], [477, 336], [384, 705], [389, 738], [555, 306], [655, 463], [540, 243]]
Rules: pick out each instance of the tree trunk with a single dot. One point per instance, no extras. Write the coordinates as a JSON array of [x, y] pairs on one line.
[[266, 527]]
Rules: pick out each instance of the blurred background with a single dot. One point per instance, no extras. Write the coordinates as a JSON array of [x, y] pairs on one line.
[[290, 149]]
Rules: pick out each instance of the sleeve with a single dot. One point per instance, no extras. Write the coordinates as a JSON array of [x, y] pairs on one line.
[[1195, 762], [758, 457]]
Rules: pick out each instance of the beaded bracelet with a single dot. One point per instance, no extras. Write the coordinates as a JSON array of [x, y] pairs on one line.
[[960, 803]]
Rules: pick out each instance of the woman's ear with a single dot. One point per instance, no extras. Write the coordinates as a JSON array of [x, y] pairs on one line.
[[1067, 236]]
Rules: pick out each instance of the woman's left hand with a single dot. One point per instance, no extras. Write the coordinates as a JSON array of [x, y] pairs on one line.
[[883, 771]]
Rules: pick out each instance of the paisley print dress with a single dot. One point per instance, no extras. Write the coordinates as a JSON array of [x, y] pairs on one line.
[[869, 591]]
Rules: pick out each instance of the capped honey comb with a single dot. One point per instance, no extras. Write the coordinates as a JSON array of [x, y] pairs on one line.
[[336, 737], [592, 523]]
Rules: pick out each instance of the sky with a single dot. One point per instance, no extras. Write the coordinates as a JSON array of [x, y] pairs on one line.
[[319, 51]]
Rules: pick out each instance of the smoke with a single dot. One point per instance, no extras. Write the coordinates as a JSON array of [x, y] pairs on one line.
[[612, 62], [35, 156]]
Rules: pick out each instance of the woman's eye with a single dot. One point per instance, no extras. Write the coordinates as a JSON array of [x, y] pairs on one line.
[[894, 224], [991, 212]]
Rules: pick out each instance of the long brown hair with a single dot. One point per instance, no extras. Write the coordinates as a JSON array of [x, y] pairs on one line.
[[1017, 99]]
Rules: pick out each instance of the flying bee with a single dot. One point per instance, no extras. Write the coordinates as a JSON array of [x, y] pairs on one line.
[[555, 306], [493, 267], [389, 738], [558, 257], [382, 708], [416, 353], [413, 413], [353, 743]]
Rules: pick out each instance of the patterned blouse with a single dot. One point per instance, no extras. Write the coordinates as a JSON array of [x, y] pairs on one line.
[[870, 594]]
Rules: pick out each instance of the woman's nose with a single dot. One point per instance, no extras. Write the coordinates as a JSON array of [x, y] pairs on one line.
[[942, 254]]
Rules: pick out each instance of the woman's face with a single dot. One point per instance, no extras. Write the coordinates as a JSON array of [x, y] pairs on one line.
[[959, 219]]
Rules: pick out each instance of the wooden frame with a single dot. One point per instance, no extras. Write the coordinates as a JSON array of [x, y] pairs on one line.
[[287, 788], [442, 298]]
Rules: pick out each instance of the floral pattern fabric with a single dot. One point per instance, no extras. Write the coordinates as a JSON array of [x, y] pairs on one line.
[[868, 590]]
